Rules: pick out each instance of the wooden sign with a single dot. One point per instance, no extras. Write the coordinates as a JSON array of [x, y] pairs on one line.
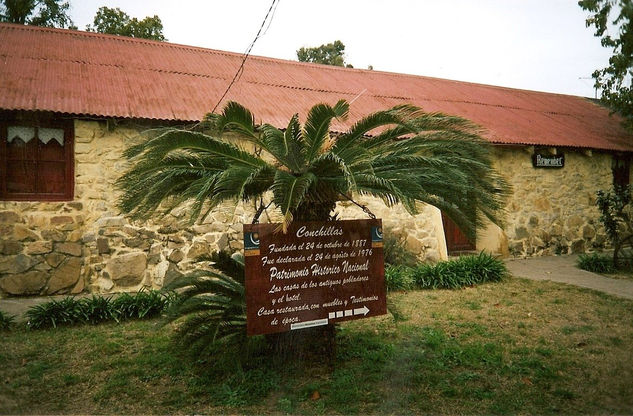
[[315, 274], [548, 161]]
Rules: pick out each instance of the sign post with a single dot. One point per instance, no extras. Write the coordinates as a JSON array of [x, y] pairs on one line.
[[316, 274]]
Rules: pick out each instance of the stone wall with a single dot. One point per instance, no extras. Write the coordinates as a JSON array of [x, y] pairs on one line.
[[86, 245], [553, 211]]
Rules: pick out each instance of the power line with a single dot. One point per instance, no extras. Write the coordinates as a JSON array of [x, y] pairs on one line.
[[238, 74]]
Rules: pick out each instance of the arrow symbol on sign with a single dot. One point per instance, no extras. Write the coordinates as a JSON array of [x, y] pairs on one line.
[[361, 311]]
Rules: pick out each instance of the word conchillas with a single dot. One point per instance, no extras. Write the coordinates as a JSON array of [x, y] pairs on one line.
[[321, 232]]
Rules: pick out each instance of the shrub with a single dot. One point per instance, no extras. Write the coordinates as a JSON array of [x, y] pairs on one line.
[[68, 311], [71, 311], [6, 321], [210, 308], [144, 304], [98, 309], [396, 252], [464, 271], [398, 278], [596, 263]]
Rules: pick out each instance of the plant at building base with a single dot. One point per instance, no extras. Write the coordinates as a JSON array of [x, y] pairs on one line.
[[210, 307], [49, 13], [401, 155], [6, 321], [615, 214]]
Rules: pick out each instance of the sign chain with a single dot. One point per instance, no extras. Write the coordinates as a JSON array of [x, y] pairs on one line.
[[363, 207], [260, 210]]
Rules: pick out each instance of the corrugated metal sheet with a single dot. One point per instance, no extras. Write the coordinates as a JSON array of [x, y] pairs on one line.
[[109, 76]]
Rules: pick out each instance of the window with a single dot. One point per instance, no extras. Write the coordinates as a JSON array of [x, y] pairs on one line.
[[36, 161]]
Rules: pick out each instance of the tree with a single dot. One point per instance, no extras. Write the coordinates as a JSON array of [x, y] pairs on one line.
[[329, 54], [411, 157], [49, 13], [614, 81], [444, 163], [117, 22]]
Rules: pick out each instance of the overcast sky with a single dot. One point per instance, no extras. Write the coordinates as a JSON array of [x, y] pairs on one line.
[[530, 44]]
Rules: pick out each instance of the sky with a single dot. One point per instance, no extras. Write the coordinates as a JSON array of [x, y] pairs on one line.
[[540, 45]]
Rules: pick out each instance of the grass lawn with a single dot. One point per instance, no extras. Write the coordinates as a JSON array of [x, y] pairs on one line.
[[513, 347]]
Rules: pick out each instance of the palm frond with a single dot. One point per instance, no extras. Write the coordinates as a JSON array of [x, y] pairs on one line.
[[317, 126], [289, 191], [234, 118]]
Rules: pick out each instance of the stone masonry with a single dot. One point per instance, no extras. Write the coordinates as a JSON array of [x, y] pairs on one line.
[[86, 245], [553, 211], [51, 248]]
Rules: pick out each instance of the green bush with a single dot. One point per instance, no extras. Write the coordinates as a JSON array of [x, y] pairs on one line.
[[98, 309], [144, 304], [68, 311], [6, 321], [210, 309], [398, 278], [458, 273], [596, 263]]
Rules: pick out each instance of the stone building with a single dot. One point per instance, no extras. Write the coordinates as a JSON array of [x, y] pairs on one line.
[[71, 101]]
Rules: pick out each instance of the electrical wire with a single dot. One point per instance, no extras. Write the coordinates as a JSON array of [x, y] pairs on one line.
[[240, 70]]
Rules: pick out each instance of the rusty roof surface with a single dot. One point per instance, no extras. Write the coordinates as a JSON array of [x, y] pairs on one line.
[[99, 75]]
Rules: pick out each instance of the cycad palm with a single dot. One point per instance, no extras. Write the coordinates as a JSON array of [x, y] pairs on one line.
[[401, 155]]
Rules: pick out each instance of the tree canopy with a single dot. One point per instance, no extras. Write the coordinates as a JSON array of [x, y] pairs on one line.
[[49, 13], [117, 22], [612, 20], [327, 54], [411, 157]]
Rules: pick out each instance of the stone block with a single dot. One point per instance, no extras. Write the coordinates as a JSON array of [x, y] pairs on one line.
[[136, 243], [65, 276], [75, 205], [61, 220], [223, 242], [172, 274], [6, 229], [103, 246], [577, 246], [10, 217], [118, 221], [127, 269], [39, 247], [53, 235], [176, 256], [73, 249], [30, 283], [79, 286], [88, 237], [16, 264], [588, 232], [575, 221], [414, 244], [9, 247], [154, 255], [74, 236], [521, 233], [199, 248], [22, 233], [54, 259]]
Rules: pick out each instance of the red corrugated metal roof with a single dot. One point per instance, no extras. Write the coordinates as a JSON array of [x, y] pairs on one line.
[[110, 76]]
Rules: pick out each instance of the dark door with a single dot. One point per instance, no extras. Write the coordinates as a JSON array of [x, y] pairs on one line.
[[456, 240]]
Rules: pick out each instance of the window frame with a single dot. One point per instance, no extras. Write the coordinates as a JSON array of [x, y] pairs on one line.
[[69, 159]]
